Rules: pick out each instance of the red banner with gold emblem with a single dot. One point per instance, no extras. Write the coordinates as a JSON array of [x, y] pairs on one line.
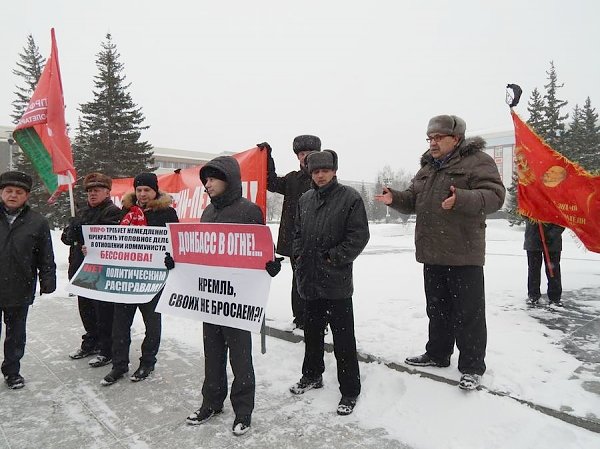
[[555, 190]]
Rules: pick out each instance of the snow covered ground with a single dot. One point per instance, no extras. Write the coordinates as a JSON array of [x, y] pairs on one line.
[[548, 357]]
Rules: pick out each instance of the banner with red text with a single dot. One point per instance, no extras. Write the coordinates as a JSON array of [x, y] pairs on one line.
[[219, 275], [190, 198], [123, 264], [555, 190]]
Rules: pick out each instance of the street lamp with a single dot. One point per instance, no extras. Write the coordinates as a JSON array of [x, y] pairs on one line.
[[11, 142], [386, 182]]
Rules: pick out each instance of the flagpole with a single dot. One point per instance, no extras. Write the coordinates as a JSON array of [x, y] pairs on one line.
[[71, 200]]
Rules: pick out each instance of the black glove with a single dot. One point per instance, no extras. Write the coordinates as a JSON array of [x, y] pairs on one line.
[[169, 262], [265, 146], [273, 267], [47, 286], [75, 224]]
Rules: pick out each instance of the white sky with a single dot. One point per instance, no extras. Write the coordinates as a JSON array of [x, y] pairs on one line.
[[363, 75]]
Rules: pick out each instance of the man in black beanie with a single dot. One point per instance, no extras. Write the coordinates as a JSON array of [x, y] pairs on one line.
[[26, 255], [331, 231], [292, 186]]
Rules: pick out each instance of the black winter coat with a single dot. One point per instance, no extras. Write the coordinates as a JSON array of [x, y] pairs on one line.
[[25, 252], [331, 231], [105, 213], [552, 235], [230, 207], [292, 186]]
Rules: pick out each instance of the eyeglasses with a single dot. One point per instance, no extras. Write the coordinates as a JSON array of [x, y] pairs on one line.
[[437, 138]]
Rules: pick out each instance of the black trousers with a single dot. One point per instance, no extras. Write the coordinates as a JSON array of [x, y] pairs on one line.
[[217, 341], [298, 304], [456, 310], [121, 333], [97, 319], [534, 264], [339, 313], [15, 320]]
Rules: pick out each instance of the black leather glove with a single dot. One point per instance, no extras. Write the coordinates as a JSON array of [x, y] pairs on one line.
[[47, 286], [169, 262], [265, 146], [75, 224], [273, 267]]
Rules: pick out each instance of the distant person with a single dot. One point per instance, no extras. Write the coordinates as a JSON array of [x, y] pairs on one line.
[[457, 186], [330, 233], [222, 180], [26, 254], [291, 186], [534, 245], [147, 206], [96, 316]]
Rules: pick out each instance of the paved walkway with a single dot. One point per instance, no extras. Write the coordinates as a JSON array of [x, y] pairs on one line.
[[64, 406]]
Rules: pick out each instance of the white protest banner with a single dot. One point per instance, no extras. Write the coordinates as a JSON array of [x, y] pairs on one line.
[[123, 263], [219, 275]]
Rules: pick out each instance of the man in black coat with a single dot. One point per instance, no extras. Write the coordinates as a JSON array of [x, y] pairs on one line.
[[96, 316], [25, 253], [330, 233], [222, 180], [552, 237], [292, 186]]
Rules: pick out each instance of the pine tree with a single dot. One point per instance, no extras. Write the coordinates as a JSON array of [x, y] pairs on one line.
[[512, 207], [30, 69], [109, 130], [574, 136], [535, 107], [589, 155], [554, 122]]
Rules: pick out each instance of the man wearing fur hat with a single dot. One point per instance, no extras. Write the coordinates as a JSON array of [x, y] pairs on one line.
[[331, 231], [291, 186], [96, 316], [26, 253], [457, 186]]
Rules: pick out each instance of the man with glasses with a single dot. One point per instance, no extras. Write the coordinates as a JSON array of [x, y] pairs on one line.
[[457, 186]]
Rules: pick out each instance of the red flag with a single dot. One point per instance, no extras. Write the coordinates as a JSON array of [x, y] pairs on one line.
[[555, 190], [42, 132]]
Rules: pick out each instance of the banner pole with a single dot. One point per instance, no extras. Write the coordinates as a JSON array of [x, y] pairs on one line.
[[71, 200]]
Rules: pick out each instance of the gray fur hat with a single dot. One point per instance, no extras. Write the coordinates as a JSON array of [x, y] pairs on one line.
[[450, 125], [306, 143], [322, 159], [16, 179]]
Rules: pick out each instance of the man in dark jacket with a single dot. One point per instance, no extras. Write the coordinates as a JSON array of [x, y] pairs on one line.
[[25, 253], [457, 186], [96, 316], [223, 183], [291, 186], [330, 233], [534, 245]]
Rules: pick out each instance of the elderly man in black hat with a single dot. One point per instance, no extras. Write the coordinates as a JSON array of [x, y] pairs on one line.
[[330, 233], [457, 186], [96, 316], [292, 186], [26, 254]]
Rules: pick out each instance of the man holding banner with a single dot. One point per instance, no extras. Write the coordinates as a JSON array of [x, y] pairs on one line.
[[222, 180]]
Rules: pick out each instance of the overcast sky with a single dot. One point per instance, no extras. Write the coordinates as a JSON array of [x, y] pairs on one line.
[[365, 76]]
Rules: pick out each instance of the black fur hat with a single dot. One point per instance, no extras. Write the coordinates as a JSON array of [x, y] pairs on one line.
[[16, 179]]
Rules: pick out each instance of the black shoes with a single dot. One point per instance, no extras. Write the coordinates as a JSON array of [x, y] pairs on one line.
[[202, 415], [14, 381], [305, 384], [346, 405], [469, 381], [556, 302], [241, 425], [141, 373], [112, 377], [81, 353], [99, 360], [426, 360]]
